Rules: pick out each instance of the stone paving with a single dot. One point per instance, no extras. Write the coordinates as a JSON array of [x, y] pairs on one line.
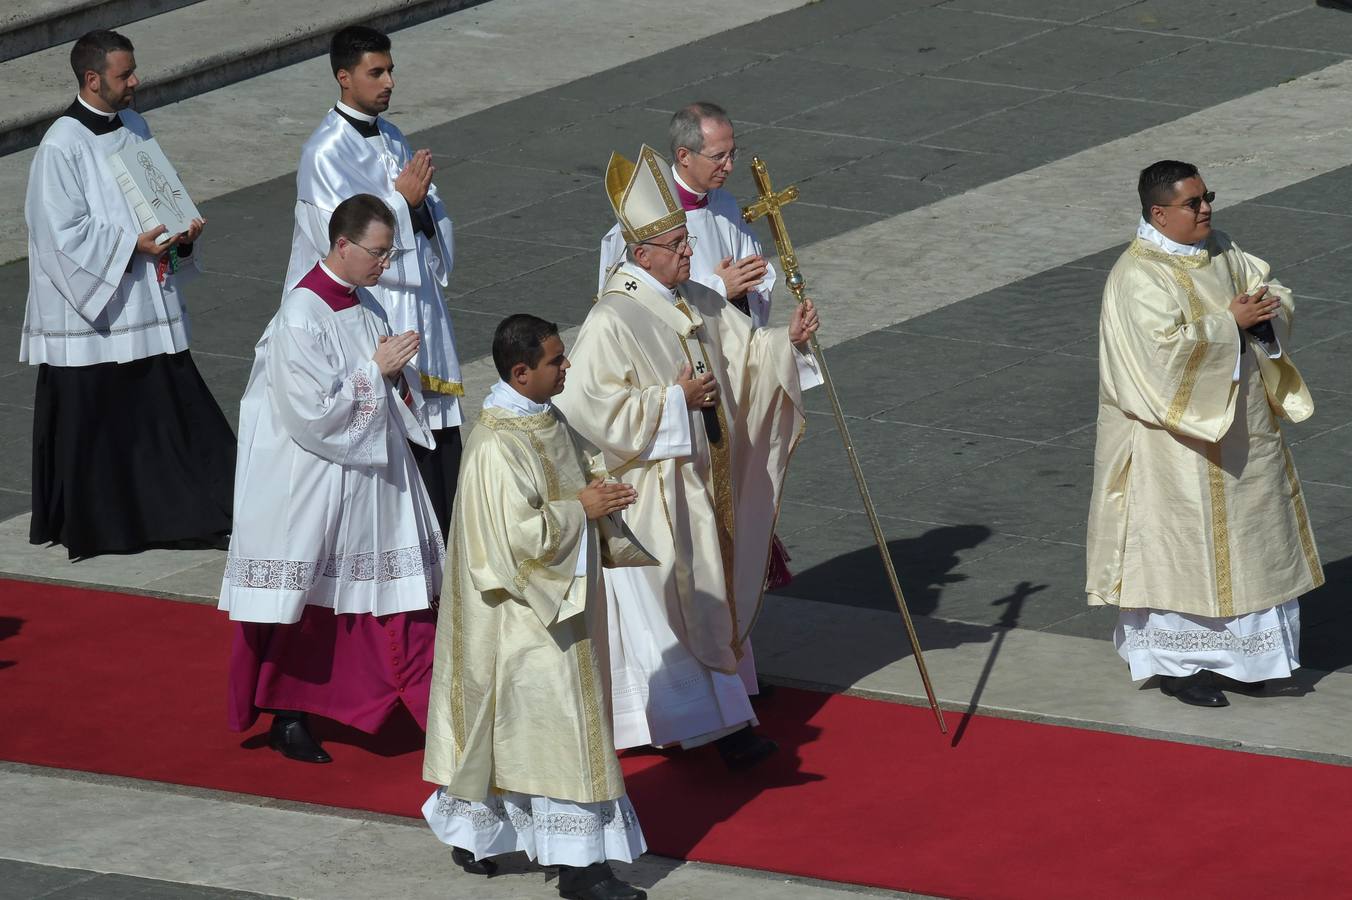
[[974, 421]]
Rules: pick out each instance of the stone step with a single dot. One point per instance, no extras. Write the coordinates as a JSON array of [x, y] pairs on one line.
[[197, 48], [27, 26]]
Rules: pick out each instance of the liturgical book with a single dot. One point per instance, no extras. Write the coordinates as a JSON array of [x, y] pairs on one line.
[[153, 188]]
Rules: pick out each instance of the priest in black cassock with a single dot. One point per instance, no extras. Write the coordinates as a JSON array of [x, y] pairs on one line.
[[356, 151], [130, 450]]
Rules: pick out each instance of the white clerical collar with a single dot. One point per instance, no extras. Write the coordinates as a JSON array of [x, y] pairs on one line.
[[1147, 232], [642, 274], [505, 397], [359, 116], [98, 112], [336, 280], [685, 187]]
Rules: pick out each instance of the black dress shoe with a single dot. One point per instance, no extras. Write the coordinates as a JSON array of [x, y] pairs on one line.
[[595, 882], [764, 691], [1197, 689], [293, 740], [465, 860], [744, 748]]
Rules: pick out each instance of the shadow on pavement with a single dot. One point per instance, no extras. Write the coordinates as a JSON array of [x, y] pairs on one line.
[[9, 627]]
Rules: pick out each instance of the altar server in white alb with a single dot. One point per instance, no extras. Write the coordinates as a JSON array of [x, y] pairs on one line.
[[1198, 530], [336, 555], [130, 449], [725, 257], [700, 413], [354, 151], [519, 736]]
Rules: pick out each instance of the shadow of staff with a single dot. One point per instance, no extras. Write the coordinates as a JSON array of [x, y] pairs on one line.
[[1009, 619]]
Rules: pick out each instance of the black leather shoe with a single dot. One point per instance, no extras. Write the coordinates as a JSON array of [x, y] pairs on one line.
[[465, 860], [292, 739], [610, 889], [743, 749], [764, 691], [1197, 689]]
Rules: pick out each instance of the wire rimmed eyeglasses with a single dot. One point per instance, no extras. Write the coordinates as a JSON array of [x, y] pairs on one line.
[[718, 159], [380, 256], [675, 246]]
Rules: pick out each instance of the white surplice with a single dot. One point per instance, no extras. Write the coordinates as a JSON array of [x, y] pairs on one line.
[[329, 508], [1251, 647], [336, 163], [719, 232], [91, 298]]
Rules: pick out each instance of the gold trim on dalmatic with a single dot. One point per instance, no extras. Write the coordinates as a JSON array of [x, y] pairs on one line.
[[1302, 519], [1220, 531], [1186, 385], [457, 657], [586, 674]]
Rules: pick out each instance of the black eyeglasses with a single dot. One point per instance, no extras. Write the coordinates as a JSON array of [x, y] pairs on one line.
[[1194, 203]]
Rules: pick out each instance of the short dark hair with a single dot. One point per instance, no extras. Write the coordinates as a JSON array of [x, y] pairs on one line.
[[687, 125], [90, 53], [355, 214], [520, 338], [1156, 185], [349, 45]]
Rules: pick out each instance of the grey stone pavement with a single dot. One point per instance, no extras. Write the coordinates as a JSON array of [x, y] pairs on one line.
[[974, 420]]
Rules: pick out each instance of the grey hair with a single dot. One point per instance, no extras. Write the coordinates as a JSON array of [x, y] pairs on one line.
[[687, 125]]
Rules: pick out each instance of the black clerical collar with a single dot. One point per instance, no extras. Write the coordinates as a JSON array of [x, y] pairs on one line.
[[95, 122], [365, 129]]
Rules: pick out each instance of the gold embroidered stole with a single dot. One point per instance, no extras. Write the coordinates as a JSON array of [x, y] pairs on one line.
[[720, 453]]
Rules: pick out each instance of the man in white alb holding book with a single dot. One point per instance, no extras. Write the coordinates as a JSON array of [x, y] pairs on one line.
[[355, 151], [130, 450]]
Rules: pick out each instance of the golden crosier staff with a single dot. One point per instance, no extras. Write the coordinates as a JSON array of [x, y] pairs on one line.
[[769, 204]]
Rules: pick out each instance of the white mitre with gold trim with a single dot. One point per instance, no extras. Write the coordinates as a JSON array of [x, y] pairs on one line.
[[643, 195]]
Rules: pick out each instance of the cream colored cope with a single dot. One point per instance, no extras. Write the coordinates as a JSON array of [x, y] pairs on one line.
[[1197, 506], [520, 697], [704, 515]]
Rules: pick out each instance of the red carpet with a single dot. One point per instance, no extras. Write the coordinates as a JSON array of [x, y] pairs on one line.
[[864, 791]]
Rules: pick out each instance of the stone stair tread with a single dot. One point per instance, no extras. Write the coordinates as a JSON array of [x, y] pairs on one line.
[[174, 45]]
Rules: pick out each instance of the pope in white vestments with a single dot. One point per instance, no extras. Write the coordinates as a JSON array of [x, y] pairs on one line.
[[336, 551], [700, 413], [354, 150], [129, 447], [1198, 529], [519, 731]]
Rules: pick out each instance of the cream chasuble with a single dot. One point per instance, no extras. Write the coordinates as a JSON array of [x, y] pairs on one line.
[[520, 693], [702, 514], [1197, 507]]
